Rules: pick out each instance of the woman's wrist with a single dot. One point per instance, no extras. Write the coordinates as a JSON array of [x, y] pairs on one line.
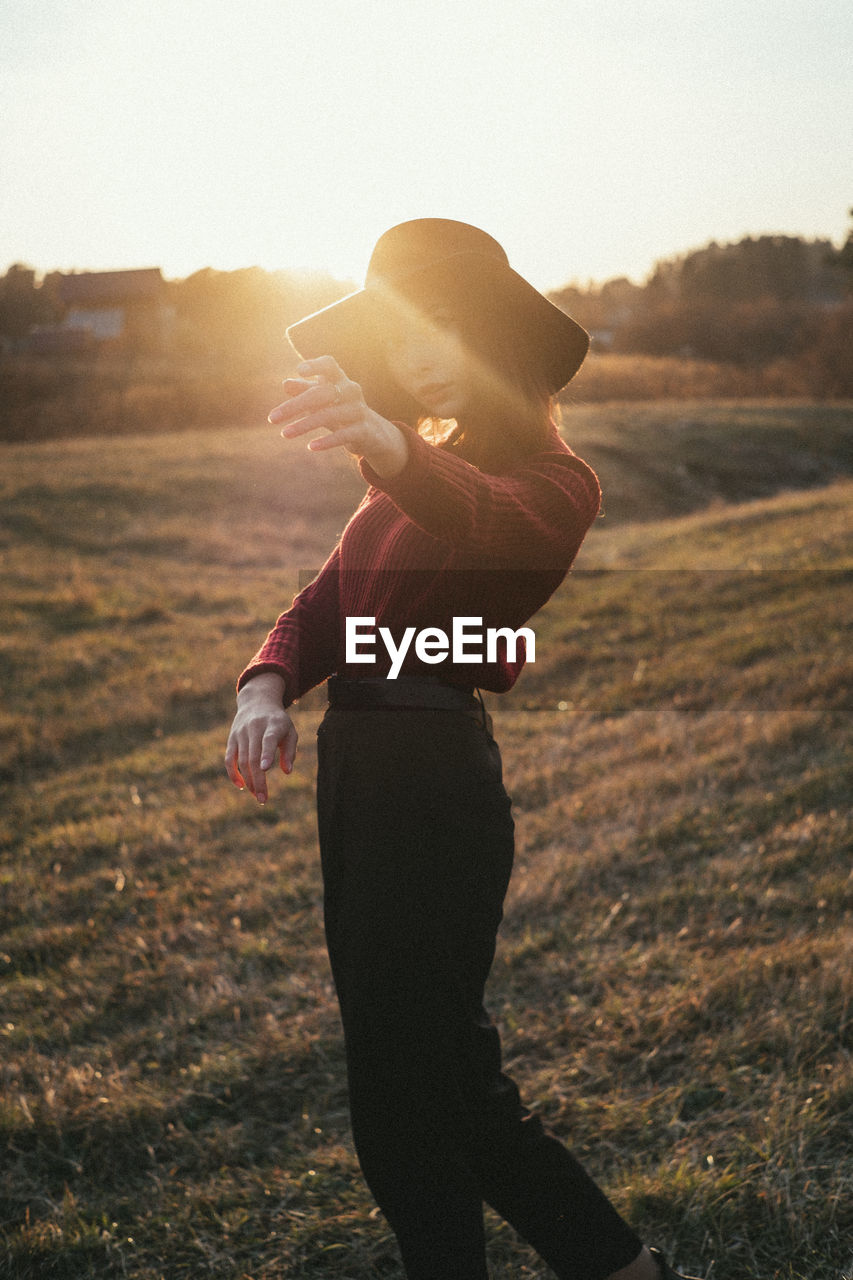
[[265, 686], [389, 455]]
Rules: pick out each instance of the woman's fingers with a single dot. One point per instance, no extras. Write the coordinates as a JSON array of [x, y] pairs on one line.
[[287, 748], [332, 419], [322, 397], [251, 769], [295, 386], [231, 766], [347, 437], [276, 741], [322, 367], [236, 759], [252, 749], [305, 398]]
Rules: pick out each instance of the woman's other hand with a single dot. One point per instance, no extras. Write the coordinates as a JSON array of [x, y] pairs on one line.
[[261, 730], [324, 397]]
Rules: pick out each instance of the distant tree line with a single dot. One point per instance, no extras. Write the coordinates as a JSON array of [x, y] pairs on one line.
[[239, 317], [24, 303], [766, 315], [747, 303], [236, 317]]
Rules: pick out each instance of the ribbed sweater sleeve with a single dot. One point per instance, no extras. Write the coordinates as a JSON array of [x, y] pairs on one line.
[[439, 540], [303, 646], [536, 515]]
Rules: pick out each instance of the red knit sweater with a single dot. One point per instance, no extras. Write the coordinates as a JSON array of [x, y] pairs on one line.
[[439, 540]]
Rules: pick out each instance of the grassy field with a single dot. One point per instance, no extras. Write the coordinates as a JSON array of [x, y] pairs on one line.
[[129, 393], [674, 977]]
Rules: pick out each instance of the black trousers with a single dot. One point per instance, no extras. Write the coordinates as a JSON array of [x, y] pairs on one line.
[[416, 841]]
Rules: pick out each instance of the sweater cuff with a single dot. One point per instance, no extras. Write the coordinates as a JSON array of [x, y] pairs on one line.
[[433, 487]]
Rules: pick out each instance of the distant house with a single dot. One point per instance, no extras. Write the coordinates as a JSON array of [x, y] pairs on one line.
[[130, 306]]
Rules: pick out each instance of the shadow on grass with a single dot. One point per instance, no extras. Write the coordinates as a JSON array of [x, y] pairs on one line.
[[197, 710]]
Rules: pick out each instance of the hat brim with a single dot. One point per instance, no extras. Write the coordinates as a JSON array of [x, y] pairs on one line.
[[350, 329]]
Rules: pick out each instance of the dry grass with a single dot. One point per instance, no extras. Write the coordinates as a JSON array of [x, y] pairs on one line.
[[129, 392], [608, 376], [674, 977]]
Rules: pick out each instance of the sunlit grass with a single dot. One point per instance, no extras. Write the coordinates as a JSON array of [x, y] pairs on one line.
[[674, 975]]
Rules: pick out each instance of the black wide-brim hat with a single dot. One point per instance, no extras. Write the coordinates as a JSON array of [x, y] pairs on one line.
[[434, 258]]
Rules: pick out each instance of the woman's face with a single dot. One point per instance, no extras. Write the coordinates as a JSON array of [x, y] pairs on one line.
[[427, 358]]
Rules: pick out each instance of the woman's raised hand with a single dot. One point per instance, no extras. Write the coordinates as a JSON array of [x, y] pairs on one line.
[[261, 730], [323, 397]]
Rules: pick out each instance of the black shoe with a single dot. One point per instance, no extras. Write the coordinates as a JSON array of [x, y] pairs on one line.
[[666, 1270]]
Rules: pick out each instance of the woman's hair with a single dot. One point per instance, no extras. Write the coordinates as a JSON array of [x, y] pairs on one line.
[[511, 405]]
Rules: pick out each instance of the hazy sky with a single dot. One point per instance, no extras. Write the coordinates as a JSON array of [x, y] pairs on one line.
[[590, 138]]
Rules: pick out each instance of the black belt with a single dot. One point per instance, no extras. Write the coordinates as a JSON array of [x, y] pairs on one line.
[[406, 691]]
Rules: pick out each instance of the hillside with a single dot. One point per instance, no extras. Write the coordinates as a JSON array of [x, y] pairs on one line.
[[667, 459], [674, 977]]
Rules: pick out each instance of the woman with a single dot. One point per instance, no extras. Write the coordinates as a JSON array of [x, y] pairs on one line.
[[416, 838]]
